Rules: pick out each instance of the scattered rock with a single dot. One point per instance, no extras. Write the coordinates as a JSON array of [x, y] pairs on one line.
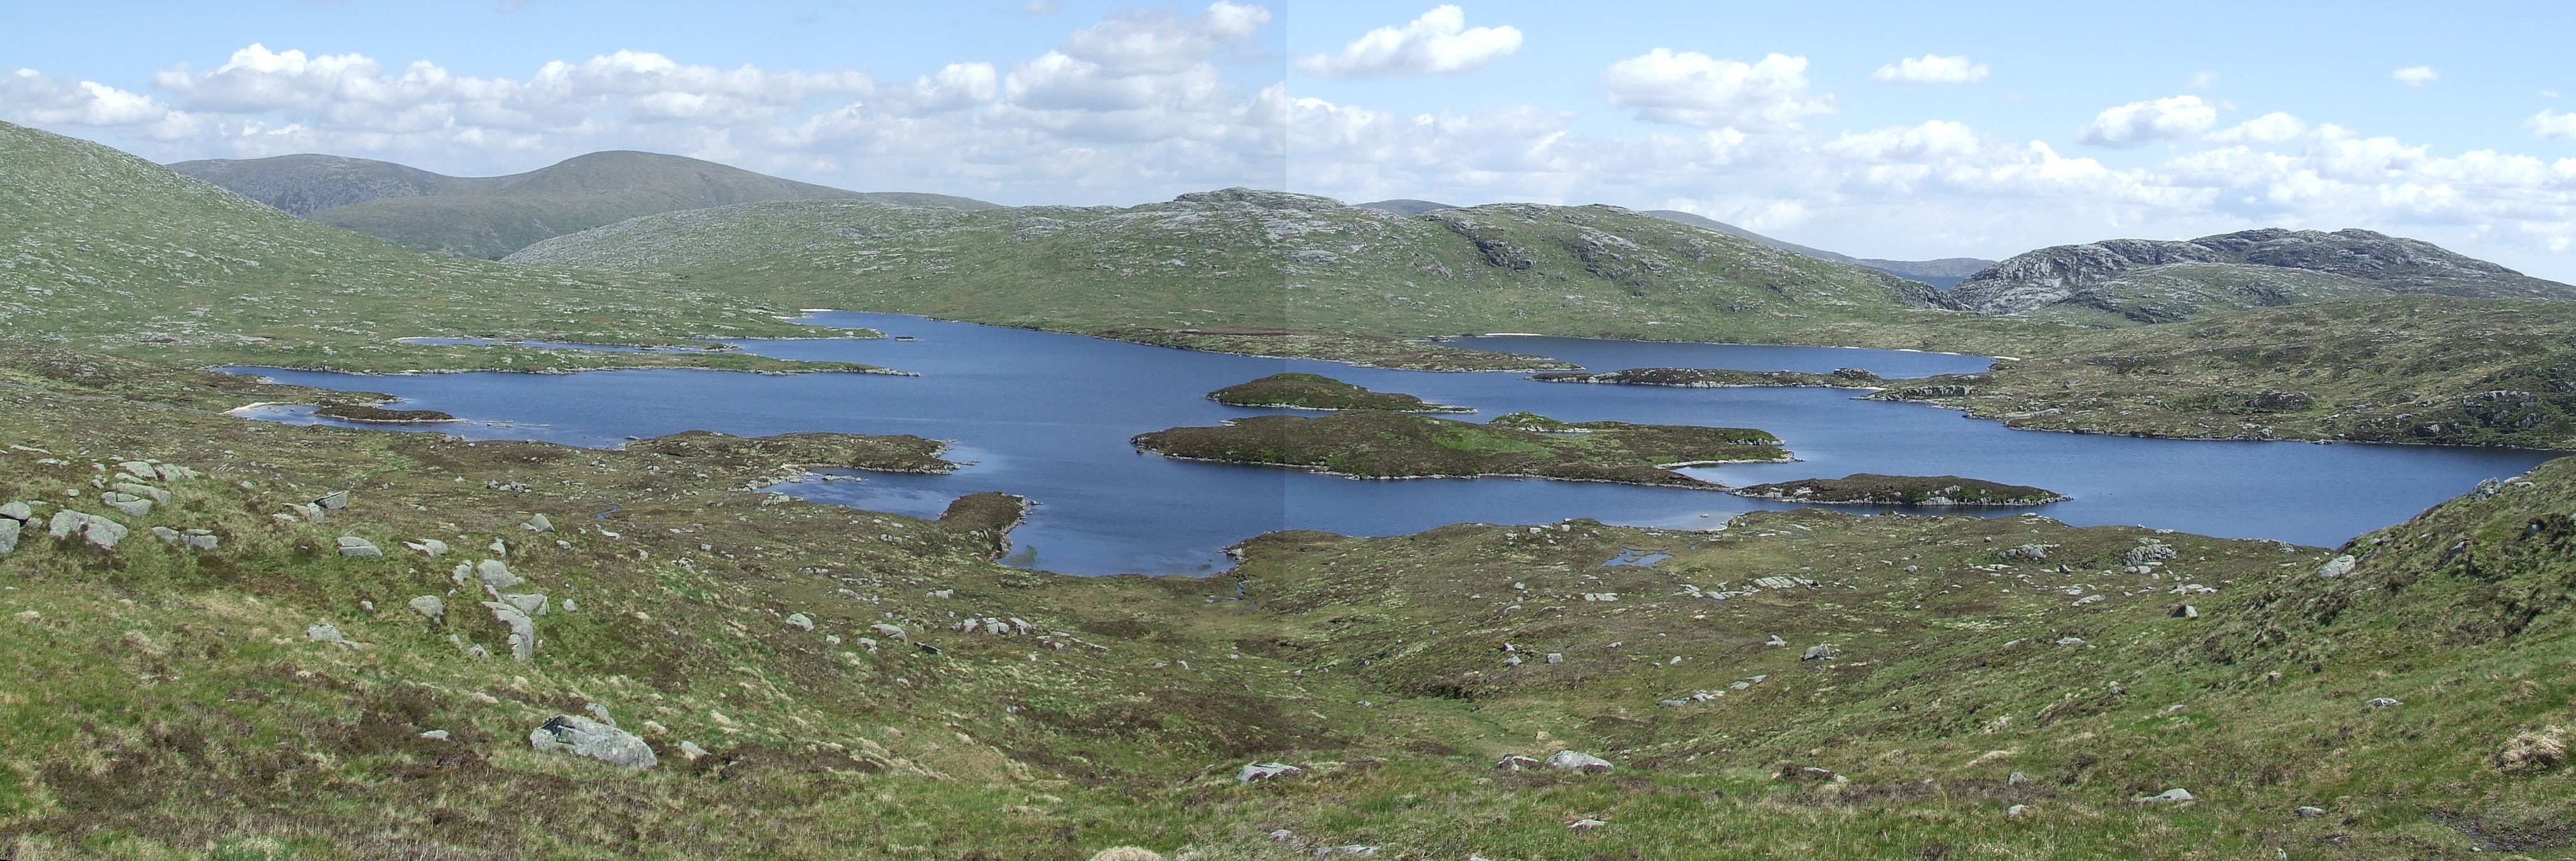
[[2147, 552], [359, 548], [1585, 824], [435, 735], [531, 603], [2169, 796], [888, 631], [2031, 552], [1265, 771], [143, 490], [1556, 657], [1817, 652], [800, 621], [586, 737], [166, 534], [1673, 704], [429, 606], [310, 512], [92, 528], [1566, 760], [2533, 752], [495, 575], [538, 523], [2338, 566], [18, 511], [2070, 641], [1517, 762], [9, 536], [132, 505], [1775, 641], [2186, 611], [2017, 779], [1354, 850], [2383, 703], [433, 547], [523, 630], [1282, 835], [333, 501], [173, 472], [691, 751], [2016, 811], [1127, 853], [325, 632], [2307, 812]]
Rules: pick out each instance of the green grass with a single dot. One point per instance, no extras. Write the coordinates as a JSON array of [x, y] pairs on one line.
[[163, 703], [1384, 444], [1319, 392]]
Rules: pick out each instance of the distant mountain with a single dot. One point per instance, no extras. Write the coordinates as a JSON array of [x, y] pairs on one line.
[[1405, 206], [489, 217], [1942, 273], [112, 253], [2156, 281], [1221, 259]]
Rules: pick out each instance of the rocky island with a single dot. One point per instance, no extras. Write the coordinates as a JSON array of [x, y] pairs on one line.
[[1319, 392], [1386, 444], [1863, 488], [380, 415]]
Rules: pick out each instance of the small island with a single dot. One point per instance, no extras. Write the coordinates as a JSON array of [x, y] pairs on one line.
[[380, 415], [1862, 488], [1319, 392], [1387, 444], [1720, 378]]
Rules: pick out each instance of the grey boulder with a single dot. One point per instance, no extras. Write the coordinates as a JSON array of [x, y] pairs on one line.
[[9, 536], [583, 736], [354, 547], [92, 528], [1566, 760], [132, 505]]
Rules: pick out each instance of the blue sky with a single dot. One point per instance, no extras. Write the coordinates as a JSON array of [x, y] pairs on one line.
[[2017, 124]]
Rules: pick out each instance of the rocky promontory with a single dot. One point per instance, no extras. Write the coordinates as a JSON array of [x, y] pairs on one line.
[[1385, 444], [1319, 392]]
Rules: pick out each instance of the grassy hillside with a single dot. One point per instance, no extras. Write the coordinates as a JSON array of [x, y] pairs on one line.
[[2132, 281], [2417, 369], [1798, 683], [489, 217], [102, 251], [1252, 259]]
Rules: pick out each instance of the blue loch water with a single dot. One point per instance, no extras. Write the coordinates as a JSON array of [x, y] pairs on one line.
[[1048, 416]]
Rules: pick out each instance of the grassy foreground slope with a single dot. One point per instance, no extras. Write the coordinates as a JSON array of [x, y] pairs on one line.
[[103, 251], [1797, 683], [1240, 258]]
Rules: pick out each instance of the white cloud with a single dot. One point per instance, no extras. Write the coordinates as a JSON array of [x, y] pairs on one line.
[[2550, 124], [2273, 127], [2416, 76], [1438, 43], [2138, 123], [1693, 89], [1041, 7], [1931, 69], [2204, 80]]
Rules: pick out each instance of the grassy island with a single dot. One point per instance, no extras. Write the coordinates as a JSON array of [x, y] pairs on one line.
[[1383, 444], [1720, 378], [1319, 392], [370, 413], [1862, 488]]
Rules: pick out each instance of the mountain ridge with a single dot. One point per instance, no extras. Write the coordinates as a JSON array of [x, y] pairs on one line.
[[2154, 281], [490, 217]]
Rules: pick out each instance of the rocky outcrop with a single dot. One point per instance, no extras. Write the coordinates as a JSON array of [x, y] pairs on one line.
[[2157, 281], [581, 736]]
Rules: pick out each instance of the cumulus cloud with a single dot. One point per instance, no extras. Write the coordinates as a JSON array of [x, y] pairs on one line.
[[1931, 69], [2139, 123], [2550, 124], [1135, 101], [1693, 89], [1438, 43], [2416, 76], [2269, 128]]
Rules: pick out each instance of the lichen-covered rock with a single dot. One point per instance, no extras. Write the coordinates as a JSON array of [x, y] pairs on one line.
[[800, 621], [9, 536], [432, 547], [538, 523], [583, 736], [130, 504], [1566, 760], [354, 547], [429, 606], [96, 530], [523, 630], [334, 500], [495, 575], [2338, 566]]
